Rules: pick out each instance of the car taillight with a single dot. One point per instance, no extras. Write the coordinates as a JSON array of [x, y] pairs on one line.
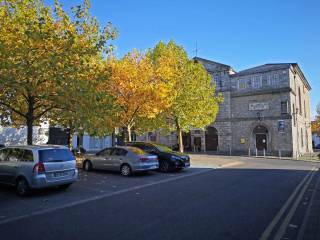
[[39, 168], [144, 159]]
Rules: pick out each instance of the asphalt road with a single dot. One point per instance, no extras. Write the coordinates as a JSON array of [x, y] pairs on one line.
[[242, 199]]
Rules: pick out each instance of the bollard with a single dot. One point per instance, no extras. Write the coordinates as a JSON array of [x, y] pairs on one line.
[[230, 151], [279, 154], [256, 152], [249, 153], [264, 152]]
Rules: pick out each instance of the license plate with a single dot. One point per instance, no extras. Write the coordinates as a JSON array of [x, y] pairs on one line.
[[61, 174]]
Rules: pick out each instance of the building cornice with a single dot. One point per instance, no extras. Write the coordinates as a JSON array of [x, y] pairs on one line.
[[295, 69], [261, 92]]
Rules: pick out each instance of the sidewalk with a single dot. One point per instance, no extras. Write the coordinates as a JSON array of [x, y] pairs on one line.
[[311, 228]]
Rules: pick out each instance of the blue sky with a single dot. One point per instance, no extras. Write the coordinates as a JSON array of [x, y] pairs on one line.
[[242, 33]]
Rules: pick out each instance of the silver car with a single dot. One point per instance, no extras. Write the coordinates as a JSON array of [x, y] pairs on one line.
[[123, 159], [34, 167]]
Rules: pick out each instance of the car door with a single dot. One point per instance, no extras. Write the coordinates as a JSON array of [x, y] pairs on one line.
[[118, 156], [3, 163], [103, 159], [11, 167]]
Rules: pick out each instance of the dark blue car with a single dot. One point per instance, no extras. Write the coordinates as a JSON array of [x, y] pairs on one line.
[[169, 160]]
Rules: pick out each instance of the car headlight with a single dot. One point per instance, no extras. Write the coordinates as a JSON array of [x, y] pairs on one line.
[[175, 158]]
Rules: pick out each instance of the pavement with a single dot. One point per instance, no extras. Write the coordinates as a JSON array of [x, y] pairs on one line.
[[217, 198]]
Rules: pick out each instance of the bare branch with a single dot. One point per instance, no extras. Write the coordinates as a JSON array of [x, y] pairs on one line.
[[13, 109]]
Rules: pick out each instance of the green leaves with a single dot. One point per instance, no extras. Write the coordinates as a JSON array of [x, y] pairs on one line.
[[50, 62]]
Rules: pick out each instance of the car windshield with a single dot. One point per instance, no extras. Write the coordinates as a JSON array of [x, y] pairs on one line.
[[137, 151], [55, 155], [163, 148]]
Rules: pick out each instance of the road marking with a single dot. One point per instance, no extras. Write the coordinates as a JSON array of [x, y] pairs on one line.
[[106, 195], [232, 164], [308, 212], [266, 234], [286, 221], [218, 166]]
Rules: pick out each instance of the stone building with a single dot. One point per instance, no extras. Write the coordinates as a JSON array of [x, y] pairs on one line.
[[266, 110]]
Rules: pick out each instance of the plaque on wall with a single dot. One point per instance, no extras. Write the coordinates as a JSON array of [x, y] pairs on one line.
[[258, 106]]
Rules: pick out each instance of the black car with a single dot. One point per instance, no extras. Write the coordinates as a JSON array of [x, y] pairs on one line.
[[2, 146], [168, 160]]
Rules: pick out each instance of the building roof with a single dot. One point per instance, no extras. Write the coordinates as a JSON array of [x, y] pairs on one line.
[[212, 62], [37, 147], [261, 69], [273, 67], [265, 68]]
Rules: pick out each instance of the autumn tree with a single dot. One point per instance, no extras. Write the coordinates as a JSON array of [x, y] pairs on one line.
[[89, 107], [46, 60], [137, 92], [195, 104], [315, 126]]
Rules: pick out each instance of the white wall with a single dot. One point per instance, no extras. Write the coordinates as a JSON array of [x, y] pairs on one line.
[[92, 143], [18, 136]]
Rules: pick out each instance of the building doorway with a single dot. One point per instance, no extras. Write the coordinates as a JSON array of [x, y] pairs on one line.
[[197, 144], [261, 136], [212, 139], [186, 138]]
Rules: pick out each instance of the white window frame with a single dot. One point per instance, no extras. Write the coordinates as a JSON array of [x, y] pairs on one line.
[[275, 79], [256, 81], [240, 82]]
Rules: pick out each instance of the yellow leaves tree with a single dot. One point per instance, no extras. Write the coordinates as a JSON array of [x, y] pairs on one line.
[[315, 125], [194, 103], [138, 93], [46, 60]]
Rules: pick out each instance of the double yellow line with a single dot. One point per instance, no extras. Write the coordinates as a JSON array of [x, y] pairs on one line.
[[297, 196]]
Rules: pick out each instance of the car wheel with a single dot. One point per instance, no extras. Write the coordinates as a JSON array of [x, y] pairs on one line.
[[164, 166], [87, 166], [65, 186], [125, 170], [23, 188]]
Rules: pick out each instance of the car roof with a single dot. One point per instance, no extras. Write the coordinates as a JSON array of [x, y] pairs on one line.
[[37, 147], [152, 143]]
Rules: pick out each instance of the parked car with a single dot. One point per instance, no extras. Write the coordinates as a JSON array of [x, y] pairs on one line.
[[123, 159], [2, 146], [34, 167], [169, 160]]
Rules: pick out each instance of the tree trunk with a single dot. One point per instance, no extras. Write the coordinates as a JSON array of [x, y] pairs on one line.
[[179, 133], [129, 133], [70, 136], [30, 119], [29, 131]]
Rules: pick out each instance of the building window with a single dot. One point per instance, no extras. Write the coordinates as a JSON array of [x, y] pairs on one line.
[[218, 81], [213, 80], [300, 104], [302, 144], [256, 82], [265, 81], [307, 140], [274, 79], [293, 114], [304, 107], [284, 107], [242, 84]]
